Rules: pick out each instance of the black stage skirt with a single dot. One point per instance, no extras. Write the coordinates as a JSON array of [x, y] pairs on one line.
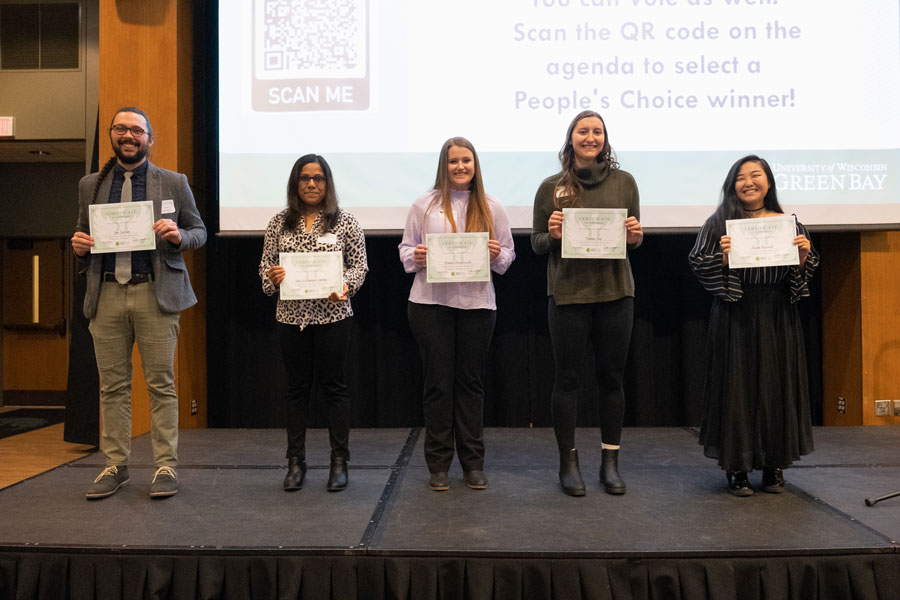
[[757, 395]]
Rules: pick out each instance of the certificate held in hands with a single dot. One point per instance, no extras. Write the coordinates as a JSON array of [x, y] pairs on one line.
[[309, 275], [456, 257], [121, 227], [594, 233], [762, 242]]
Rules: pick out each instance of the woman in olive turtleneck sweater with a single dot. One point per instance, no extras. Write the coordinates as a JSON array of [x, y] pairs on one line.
[[590, 299]]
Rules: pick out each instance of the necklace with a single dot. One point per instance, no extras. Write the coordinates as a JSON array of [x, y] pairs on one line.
[[755, 209]]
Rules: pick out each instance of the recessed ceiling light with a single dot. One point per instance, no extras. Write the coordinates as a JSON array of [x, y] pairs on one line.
[[39, 152]]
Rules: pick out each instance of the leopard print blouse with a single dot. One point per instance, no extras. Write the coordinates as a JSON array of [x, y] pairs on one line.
[[348, 239]]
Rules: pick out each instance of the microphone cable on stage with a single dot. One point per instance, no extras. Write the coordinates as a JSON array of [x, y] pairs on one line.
[[870, 502]]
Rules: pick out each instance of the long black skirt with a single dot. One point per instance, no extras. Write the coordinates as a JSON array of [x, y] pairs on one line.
[[757, 410]]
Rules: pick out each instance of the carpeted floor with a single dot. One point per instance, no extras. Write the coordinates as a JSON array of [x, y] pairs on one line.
[[27, 419]]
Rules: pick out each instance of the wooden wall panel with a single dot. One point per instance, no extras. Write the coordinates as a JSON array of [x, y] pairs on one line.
[[861, 325], [841, 328], [34, 359], [192, 363], [146, 60], [138, 67], [880, 300]]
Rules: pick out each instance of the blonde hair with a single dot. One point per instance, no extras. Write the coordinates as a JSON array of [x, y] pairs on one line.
[[478, 213]]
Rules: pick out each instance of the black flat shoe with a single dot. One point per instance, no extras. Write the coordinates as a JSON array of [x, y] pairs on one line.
[[475, 479], [773, 480], [337, 475], [738, 483], [438, 482], [295, 475]]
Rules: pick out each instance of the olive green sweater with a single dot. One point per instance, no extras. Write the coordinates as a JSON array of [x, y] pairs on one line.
[[580, 280]]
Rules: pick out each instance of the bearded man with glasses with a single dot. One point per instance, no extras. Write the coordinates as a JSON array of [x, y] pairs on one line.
[[138, 297]]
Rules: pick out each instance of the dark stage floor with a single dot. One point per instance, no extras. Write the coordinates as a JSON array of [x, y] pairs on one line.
[[232, 532], [676, 505]]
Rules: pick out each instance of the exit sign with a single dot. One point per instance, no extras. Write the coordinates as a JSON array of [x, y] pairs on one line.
[[7, 127]]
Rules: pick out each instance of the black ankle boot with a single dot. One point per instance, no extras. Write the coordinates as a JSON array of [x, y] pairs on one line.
[[738, 483], [295, 475], [609, 473], [570, 474], [773, 480], [337, 475]]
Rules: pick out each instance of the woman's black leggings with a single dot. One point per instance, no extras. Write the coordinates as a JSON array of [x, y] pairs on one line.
[[607, 325]]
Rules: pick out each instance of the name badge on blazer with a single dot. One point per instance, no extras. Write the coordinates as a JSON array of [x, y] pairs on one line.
[[328, 238], [168, 207]]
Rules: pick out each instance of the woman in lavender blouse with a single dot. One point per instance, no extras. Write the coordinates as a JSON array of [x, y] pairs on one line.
[[453, 322]]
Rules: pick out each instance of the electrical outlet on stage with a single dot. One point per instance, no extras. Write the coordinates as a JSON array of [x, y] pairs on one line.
[[882, 408], [842, 405], [897, 408], [193, 406]]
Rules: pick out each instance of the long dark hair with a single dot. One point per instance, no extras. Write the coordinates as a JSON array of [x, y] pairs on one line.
[[112, 161], [478, 213], [730, 206], [568, 182], [295, 207]]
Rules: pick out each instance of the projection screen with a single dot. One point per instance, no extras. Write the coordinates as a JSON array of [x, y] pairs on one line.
[[686, 87]]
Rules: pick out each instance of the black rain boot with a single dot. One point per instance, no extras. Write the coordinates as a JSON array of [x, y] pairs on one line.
[[609, 473], [337, 475], [295, 475], [570, 474]]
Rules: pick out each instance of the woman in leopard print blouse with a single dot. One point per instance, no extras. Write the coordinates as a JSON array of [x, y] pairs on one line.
[[314, 334]]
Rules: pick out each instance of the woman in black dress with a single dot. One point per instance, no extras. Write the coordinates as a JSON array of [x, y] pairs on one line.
[[756, 398]]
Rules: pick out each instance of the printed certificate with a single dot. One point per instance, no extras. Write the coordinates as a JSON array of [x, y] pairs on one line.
[[119, 227], [594, 233], [762, 242], [454, 257], [310, 275]]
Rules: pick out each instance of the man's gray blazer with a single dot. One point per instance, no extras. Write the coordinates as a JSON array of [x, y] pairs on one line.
[[173, 286]]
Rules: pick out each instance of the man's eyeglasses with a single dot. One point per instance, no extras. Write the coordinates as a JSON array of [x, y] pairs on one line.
[[318, 179], [121, 129]]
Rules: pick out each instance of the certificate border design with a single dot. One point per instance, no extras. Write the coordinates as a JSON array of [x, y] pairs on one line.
[[749, 260], [147, 242], [482, 275], [337, 264], [568, 251]]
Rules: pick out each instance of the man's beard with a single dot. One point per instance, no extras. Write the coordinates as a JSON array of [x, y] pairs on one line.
[[127, 159]]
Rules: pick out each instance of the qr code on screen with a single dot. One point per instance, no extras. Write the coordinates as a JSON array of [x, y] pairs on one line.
[[310, 38]]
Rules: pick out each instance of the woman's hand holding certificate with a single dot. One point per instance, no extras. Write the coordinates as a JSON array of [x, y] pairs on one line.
[[594, 233], [309, 275], [762, 242], [121, 227], [455, 257]]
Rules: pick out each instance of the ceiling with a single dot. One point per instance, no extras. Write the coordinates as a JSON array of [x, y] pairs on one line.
[[41, 151]]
